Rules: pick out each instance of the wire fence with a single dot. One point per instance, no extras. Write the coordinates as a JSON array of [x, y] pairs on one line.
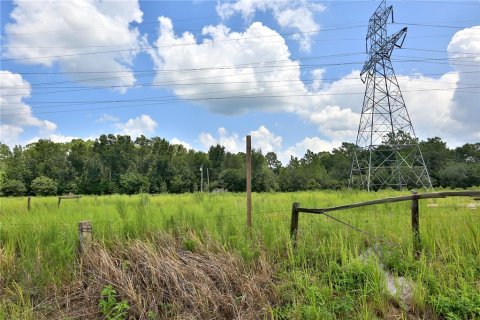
[[370, 224]]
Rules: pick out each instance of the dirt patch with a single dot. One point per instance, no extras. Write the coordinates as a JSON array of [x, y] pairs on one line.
[[162, 280]]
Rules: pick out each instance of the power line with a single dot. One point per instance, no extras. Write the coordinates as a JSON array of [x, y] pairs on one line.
[[69, 103], [164, 83], [258, 65], [174, 99], [217, 41], [182, 44]]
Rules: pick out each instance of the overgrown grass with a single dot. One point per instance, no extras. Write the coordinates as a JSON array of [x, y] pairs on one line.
[[324, 277]]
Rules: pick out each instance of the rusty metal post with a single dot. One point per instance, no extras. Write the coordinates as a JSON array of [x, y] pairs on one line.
[[294, 223], [416, 226], [85, 235]]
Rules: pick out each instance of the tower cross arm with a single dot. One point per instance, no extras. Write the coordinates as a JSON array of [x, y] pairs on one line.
[[395, 40], [379, 19]]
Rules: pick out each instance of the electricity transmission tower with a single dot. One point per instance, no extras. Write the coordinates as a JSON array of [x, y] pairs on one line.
[[387, 153]]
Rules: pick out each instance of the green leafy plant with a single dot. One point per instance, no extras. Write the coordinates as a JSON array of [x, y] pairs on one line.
[[110, 307]]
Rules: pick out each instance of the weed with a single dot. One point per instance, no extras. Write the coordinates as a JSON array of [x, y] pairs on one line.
[[110, 308]]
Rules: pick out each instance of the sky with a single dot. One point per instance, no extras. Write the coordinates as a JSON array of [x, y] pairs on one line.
[[199, 73]]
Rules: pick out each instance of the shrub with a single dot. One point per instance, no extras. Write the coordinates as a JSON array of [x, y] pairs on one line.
[[13, 188], [44, 186], [133, 183]]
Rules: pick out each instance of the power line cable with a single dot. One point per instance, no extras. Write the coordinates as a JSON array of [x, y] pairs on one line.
[[258, 65], [179, 99], [69, 103], [221, 41]]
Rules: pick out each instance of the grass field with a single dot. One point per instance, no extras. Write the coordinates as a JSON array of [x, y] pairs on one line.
[[331, 274]]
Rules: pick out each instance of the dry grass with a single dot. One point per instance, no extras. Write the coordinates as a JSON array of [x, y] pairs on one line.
[[161, 279]]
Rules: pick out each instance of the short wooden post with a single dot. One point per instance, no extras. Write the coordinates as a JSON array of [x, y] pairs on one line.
[[415, 226], [28, 203], [59, 200], [294, 223], [249, 180], [85, 235]]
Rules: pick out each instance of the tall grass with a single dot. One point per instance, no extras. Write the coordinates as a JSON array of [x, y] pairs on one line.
[[325, 276]]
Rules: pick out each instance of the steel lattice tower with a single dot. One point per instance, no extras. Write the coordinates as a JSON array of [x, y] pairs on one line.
[[387, 153]]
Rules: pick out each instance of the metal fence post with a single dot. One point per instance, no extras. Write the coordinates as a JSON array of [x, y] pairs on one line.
[[294, 223]]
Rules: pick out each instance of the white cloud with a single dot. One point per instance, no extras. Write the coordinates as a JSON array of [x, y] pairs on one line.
[[313, 144], [15, 114], [231, 142], [58, 138], [107, 118], [68, 32], [262, 139], [265, 140], [227, 63], [9, 134], [297, 15], [234, 82], [183, 143], [464, 54], [142, 124]]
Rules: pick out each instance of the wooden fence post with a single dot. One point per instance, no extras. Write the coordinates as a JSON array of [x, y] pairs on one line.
[[415, 226], [59, 200], [248, 167], [85, 235], [28, 203], [294, 223]]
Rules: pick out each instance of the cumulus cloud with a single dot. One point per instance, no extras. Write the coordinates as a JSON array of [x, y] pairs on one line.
[[135, 127], [180, 142], [464, 54], [262, 139], [15, 113], [266, 141], [104, 118], [67, 33], [296, 15], [231, 142], [58, 138], [223, 72], [313, 144]]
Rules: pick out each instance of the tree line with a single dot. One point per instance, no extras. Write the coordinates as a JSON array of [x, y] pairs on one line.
[[118, 164]]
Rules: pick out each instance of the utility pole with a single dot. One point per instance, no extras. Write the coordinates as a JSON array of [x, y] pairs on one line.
[[201, 178], [248, 167], [208, 181]]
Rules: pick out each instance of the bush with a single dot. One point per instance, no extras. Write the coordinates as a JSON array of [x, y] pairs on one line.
[[13, 188], [44, 186], [131, 183]]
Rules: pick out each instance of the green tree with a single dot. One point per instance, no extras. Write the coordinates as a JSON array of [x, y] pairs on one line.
[[233, 180], [13, 188], [436, 156], [460, 175], [44, 186], [131, 183], [469, 152], [216, 155], [273, 163]]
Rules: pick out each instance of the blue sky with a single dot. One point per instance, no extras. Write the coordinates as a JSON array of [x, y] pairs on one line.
[[207, 72]]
